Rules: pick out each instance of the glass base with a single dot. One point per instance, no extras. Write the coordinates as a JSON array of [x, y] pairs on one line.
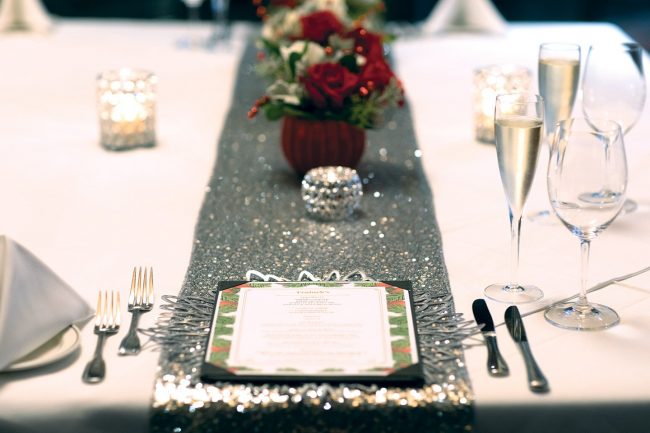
[[629, 206], [193, 42], [606, 197], [513, 295], [601, 197], [591, 317], [545, 217]]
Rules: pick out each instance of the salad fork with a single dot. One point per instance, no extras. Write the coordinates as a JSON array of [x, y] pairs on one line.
[[141, 300], [107, 323]]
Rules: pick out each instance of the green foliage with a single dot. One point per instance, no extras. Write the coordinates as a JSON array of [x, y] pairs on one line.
[[271, 47], [350, 62], [367, 112], [274, 110], [293, 59]]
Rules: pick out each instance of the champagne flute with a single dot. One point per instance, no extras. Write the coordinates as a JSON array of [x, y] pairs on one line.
[[614, 88], [558, 74], [587, 155], [518, 123]]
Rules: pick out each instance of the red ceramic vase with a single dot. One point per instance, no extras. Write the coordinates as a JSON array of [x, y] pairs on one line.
[[315, 143]]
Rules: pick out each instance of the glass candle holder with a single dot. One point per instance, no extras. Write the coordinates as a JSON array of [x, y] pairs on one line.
[[490, 82], [331, 193], [126, 102]]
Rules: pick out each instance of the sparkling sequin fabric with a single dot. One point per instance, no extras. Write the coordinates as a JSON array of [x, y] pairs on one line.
[[253, 218]]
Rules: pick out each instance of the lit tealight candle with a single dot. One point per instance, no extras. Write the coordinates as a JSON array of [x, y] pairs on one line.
[[331, 193], [489, 82], [129, 116], [126, 108]]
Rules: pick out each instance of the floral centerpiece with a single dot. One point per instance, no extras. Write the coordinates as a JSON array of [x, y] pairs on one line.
[[329, 81]]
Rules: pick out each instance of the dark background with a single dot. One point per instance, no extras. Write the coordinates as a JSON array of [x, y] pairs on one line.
[[632, 15]]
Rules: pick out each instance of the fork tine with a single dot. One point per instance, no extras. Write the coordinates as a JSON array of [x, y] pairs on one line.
[[98, 312], [116, 311], [105, 313], [110, 308], [138, 297], [119, 314], [150, 299], [133, 288], [145, 287]]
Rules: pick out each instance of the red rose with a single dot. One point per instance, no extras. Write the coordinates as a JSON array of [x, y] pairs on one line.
[[283, 3], [367, 44], [376, 75], [319, 26], [328, 84]]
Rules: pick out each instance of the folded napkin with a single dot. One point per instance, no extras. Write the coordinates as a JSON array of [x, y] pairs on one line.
[[29, 15], [465, 15], [35, 304]]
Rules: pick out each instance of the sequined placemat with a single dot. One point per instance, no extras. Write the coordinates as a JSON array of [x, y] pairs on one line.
[[253, 218]]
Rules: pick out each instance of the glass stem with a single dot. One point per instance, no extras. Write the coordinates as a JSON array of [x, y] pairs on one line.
[[515, 230], [584, 265], [194, 14]]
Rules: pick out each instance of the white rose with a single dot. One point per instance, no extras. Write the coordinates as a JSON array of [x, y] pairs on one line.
[[289, 93], [337, 7], [313, 53], [291, 24], [267, 32]]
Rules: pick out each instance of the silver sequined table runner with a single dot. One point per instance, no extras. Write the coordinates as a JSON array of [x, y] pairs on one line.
[[253, 218]]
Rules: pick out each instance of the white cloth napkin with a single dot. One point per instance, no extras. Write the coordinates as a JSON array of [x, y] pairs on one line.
[[465, 15], [35, 304], [29, 15]]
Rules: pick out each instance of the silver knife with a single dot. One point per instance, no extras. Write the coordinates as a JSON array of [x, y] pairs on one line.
[[496, 364], [536, 380]]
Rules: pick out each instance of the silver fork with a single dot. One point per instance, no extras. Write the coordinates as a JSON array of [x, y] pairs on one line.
[[141, 300], [107, 323]]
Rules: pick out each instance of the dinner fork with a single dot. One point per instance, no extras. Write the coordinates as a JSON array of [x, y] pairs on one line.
[[141, 300], [107, 323]]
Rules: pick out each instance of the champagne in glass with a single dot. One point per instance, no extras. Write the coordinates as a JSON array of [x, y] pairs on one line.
[[558, 75], [518, 139], [559, 72], [518, 122], [586, 155]]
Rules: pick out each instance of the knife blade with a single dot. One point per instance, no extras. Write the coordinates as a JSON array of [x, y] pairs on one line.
[[496, 364], [536, 380]]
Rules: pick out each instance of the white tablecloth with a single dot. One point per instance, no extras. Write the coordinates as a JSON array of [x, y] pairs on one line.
[[92, 215]]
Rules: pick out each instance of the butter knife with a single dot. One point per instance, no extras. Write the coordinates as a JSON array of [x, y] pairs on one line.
[[536, 380], [496, 364]]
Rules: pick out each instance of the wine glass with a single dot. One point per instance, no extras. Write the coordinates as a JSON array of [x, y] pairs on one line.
[[518, 123], [587, 155], [614, 88], [558, 74]]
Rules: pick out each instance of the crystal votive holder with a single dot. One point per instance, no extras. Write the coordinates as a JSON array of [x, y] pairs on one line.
[[490, 82], [331, 193], [127, 108]]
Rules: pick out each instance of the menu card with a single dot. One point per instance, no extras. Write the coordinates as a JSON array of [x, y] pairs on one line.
[[313, 331]]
